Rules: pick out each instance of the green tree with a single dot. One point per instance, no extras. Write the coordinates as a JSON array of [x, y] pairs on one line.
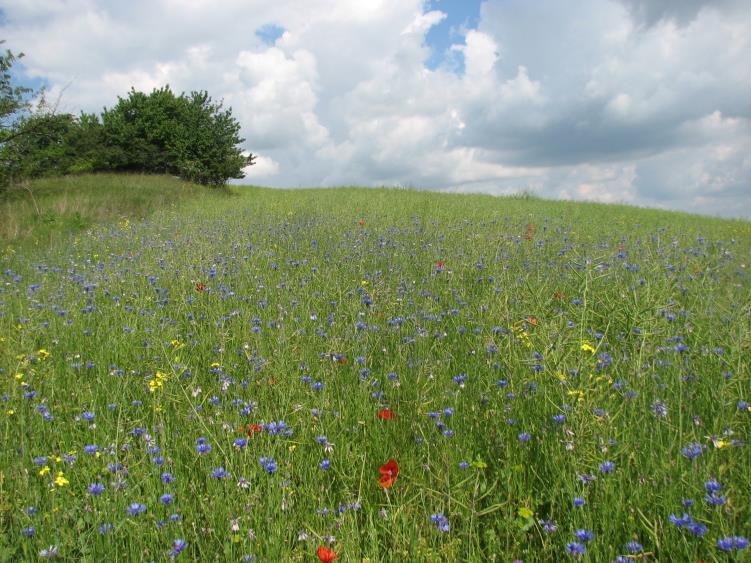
[[14, 99], [189, 136]]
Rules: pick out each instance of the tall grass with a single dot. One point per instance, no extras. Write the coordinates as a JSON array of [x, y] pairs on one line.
[[38, 212], [560, 379]]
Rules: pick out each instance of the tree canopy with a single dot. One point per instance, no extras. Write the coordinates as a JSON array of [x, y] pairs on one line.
[[187, 135]]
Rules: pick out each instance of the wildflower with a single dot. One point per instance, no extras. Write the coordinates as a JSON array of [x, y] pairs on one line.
[[441, 521], [220, 473], [325, 555], [660, 409], [166, 498], [548, 526], [28, 532], [202, 446], [167, 478], [607, 467], [325, 464], [60, 480], [524, 437], [389, 472], [634, 547], [178, 546], [692, 450], [584, 535], [731, 543], [95, 489], [386, 414], [135, 508], [576, 549], [50, 553], [268, 464], [579, 502]]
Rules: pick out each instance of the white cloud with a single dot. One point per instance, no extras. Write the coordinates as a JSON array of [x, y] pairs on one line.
[[632, 100]]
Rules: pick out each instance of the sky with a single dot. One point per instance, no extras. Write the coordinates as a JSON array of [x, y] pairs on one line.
[[644, 102]]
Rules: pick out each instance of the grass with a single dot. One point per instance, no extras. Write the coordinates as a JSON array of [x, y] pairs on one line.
[[36, 213], [533, 353]]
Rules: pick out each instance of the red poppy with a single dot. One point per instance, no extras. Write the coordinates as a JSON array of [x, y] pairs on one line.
[[200, 286], [439, 264], [531, 228], [389, 471], [529, 236], [325, 554], [361, 222], [253, 428], [533, 321], [386, 414]]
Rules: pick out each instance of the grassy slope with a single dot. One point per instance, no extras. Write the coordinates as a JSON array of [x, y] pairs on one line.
[[277, 261], [51, 209]]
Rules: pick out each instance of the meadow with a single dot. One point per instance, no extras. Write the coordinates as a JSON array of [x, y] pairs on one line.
[[376, 375]]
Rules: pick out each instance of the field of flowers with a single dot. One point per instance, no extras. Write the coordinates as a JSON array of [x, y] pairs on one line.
[[379, 375]]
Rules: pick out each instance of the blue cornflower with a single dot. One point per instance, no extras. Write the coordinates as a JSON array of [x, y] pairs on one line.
[[576, 549], [95, 489], [202, 446], [713, 498], [104, 528], [584, 535], [268, 464], [524, 437], [28, 532], [167, 477], [325, 464], [732, 542], [680, 521], [607, 467], [441, 521], [634, 547], [712, 486], [579, 502], [240, 443], [136, 508], [220, 473], [177, 547], [463, 465], [559, 418], [697, 529], [88, 415], [692, 450], [91, 448], [166, 498], [548, 526]]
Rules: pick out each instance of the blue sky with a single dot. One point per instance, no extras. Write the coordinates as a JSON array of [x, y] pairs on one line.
[[460, 16], [646, 102]]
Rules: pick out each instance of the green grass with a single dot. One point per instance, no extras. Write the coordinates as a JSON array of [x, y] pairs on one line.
[[36, 213], [319, 308]]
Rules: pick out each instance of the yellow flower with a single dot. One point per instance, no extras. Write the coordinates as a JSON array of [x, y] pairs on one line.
[[60, 480], [44, 354], [587, 347], [44, 471], [10, 412], [525, 512]]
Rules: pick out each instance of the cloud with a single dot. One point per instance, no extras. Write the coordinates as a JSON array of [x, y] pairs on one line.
[[637, 101]]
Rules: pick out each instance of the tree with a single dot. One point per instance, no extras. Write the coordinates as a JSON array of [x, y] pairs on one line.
[[189, 136], [13, 99]]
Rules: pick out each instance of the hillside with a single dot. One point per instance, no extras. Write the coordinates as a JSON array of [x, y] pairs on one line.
[[386, 374]]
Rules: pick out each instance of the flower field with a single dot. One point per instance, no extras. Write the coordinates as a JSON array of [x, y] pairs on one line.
[[379, 375]]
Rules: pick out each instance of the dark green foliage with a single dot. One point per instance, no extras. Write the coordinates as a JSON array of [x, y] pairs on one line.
[[189, 136]]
